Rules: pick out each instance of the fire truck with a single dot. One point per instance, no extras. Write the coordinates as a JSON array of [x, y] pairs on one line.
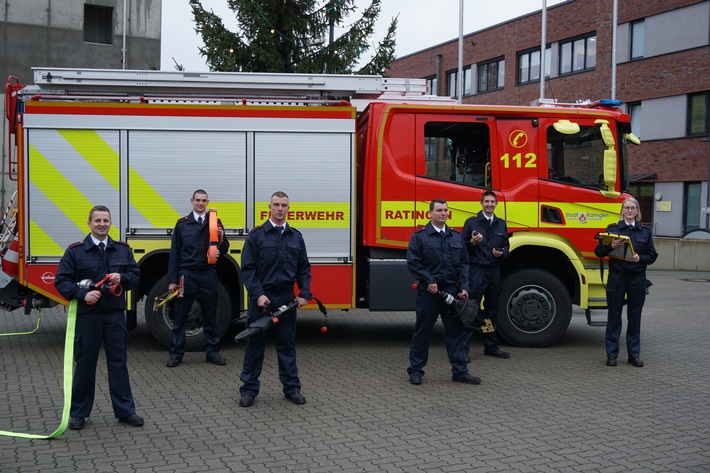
[[361, 158]]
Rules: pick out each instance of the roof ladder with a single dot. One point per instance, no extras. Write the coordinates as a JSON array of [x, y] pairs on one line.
[[113, 81]]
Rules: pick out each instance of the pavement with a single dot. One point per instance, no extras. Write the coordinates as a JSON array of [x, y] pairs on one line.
[[555, 409]]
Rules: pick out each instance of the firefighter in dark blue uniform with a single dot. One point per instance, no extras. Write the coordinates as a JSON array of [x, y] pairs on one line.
[[486, 237], [100, 317], [274, 258], [438, 260], [188, 260], [627, 278]]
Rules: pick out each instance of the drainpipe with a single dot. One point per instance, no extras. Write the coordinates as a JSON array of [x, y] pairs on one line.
[[123, 50]]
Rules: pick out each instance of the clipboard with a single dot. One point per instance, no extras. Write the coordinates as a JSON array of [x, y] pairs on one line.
[[623, 252]]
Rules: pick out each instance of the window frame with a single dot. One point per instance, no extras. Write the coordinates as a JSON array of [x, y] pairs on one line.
[[634, 109], [500, 74], [637, 37], [689, 118], [98, 24], [571, 44], [528, 53]]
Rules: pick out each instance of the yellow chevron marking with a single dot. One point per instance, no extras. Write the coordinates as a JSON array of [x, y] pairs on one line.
[[150, 203], [42, 243], [58, 188], [232, 214], [96, 152], [105, 160]]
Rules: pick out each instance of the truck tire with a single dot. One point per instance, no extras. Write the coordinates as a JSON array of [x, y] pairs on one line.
[[160, 322], [534, 309]]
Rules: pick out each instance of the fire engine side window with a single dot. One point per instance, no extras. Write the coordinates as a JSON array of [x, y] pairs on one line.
[[578, 158], [458, 152]]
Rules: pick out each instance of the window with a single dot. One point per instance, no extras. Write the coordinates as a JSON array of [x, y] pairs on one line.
[[644, 192], [529, 65], [98, 24], [578, 158], [451, 81], [467, 75], [691, 209], [432, 84], [637, 39], [578, 55], [490, 75], [458, 152], [698, 122], [635, 114]]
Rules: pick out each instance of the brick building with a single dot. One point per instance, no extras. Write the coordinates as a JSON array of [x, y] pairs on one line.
[[662, 76]]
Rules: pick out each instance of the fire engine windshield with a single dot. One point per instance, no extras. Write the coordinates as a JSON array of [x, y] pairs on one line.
[[577, 158]]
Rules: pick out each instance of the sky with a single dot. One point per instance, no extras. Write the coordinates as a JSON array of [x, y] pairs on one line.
[[422, 23]]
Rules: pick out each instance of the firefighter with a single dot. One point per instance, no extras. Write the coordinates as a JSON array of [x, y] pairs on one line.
[[486, 237], [100, 318], [627, 279], [273, 260], [438, 260], [188, 262]]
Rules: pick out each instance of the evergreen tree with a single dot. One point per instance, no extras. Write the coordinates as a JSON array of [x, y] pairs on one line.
[[293, 36]]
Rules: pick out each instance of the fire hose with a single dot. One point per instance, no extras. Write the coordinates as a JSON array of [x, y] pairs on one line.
[[67, 375]]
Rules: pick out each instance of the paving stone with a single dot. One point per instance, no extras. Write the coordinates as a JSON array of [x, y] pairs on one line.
[[556, 409]]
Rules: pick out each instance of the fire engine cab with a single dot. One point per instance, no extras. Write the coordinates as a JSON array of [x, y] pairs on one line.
[[361, 157]]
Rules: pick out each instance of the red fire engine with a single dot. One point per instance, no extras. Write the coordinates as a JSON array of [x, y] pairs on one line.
[[361, 158]]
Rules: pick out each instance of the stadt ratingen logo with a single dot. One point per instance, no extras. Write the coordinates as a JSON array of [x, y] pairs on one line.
[[582, 217], [47, 278]]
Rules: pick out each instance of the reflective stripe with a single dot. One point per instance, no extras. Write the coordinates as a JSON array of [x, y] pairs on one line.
[[516, 214], [311, 214]]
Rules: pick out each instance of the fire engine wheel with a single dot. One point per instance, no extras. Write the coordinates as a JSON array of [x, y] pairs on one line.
[[160, 322], [534, 309]]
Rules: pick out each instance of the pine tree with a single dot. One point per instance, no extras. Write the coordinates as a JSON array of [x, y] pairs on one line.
[[293, 36]]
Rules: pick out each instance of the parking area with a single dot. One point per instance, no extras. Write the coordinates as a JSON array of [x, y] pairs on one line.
[[553, 409]]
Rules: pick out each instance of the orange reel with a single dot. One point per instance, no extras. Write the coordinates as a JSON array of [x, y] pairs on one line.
[[212, 251]]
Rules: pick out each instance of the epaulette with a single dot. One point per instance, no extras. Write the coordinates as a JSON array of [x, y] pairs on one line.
[[75, 244], [181, 219], [646, 227], [121, 243], [255, 229], [295, 230], [454, 230], [420, 229]]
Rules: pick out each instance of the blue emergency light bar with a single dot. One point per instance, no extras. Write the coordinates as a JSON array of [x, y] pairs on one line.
[[610, 103]]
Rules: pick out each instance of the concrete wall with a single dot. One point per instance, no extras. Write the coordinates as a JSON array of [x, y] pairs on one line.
[[50, 33], [682, 254]]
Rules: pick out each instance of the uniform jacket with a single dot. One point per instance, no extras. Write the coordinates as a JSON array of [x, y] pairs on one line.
[[273, 262], [436, 258], [85, 260], [190, 242], [495, 235], [641, 241]]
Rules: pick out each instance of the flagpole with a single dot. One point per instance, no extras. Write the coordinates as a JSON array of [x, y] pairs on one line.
[[459, 81], [543, 43], [613, 50]]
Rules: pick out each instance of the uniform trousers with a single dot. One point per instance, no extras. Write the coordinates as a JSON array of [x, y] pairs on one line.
[[91, 331], [633, 286], [285, 340], [200, 284], [428, 309], [485, 282]]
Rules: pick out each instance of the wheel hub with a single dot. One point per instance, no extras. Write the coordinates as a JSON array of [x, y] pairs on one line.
[[531, 309], [193, 326]]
